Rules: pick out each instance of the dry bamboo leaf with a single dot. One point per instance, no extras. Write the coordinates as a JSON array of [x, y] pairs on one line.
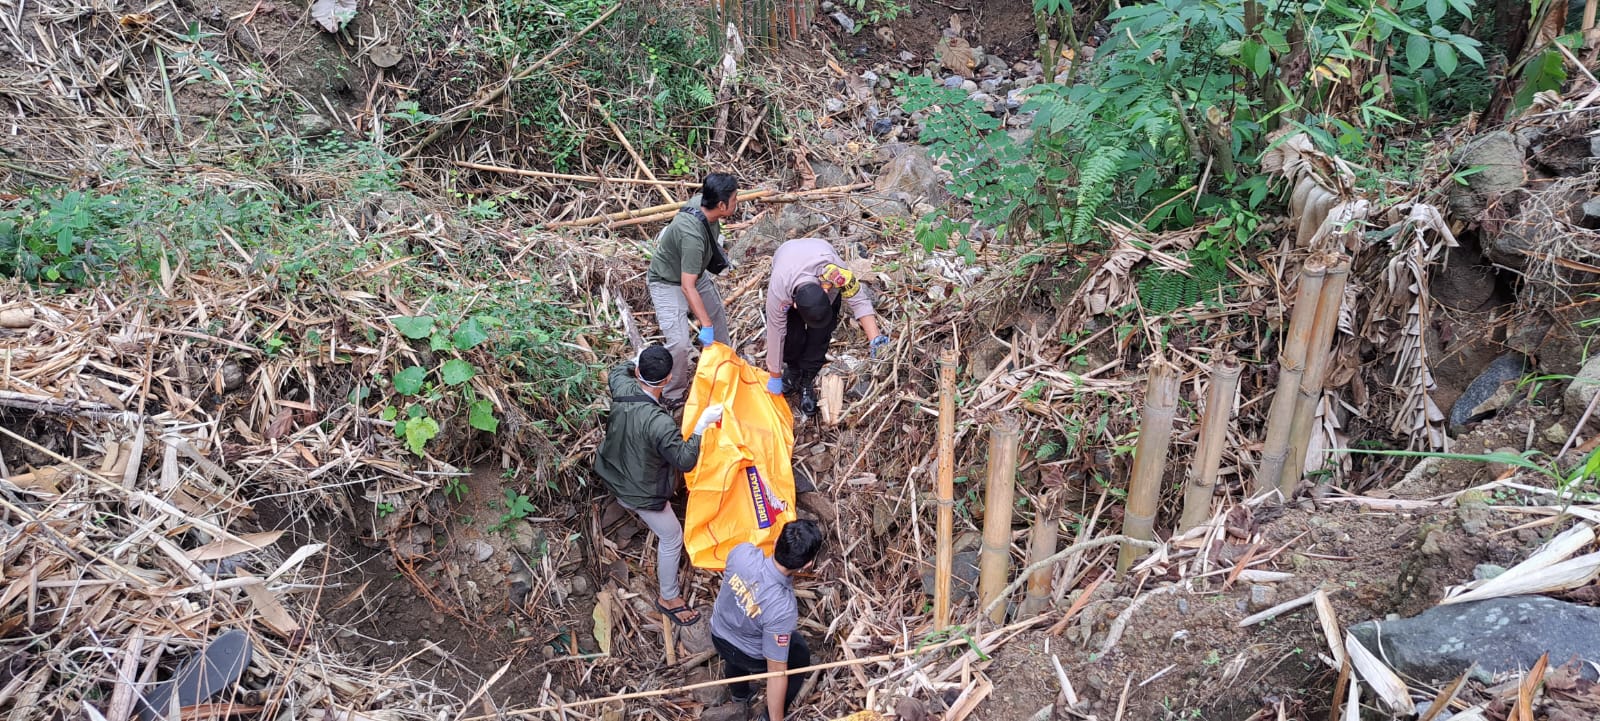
[[1330, 625], [331, 15], [602, 621], [1384, 682], [1563, 576], [230, 547], [272, 611]]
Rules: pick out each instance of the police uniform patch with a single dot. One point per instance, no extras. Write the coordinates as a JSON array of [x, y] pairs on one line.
[[782, 639]]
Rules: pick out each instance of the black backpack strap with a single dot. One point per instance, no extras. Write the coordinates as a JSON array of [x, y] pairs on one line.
[[719, 260]]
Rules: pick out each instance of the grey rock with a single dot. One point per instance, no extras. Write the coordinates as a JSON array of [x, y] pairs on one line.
[[844, 21], [882, 126], [830, 175], [480, 551], [1591, 213], [1583, 387], [1594, 146], [1262, 597], [828, 6], [906, 56], [969, 86], [1501, 635], [913, 172], [990, 86], [726, 712], [954, 81], [1508, 367], [1556, 434], [711, 695], [833, 105], [1496, 468], [981, 97], [311, 125], [696, 638], [1486, 571], [526, 539], [1500, 154], [870, 77], [963, 576]]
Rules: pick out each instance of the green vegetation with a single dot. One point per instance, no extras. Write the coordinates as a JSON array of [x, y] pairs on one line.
[[644, 67]]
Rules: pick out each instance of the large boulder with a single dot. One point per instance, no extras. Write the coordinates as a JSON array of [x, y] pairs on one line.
[[913, 172], [1501, 635]]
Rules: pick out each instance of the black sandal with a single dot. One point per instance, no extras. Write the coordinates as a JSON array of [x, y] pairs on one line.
[[672, 614]]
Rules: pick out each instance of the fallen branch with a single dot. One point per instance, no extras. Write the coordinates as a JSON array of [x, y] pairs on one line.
[[1063, 554], [665, 208], [1280, 609], [599, 179]]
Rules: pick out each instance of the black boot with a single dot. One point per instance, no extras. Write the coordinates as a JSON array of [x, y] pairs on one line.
[[808, 395]]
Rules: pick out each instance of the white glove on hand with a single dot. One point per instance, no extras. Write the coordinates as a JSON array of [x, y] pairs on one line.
[[709, 416]]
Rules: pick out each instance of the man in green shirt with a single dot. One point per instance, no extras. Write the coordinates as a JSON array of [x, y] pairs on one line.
[[687, 255]]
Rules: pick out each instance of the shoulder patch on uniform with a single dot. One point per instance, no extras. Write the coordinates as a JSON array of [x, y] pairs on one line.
[[781, 638]]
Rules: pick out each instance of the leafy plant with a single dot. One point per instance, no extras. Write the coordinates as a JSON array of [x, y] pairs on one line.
[[456, 488], [517, 507]]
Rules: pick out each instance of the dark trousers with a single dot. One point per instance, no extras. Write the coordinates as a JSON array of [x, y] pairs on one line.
[[737, 663], [805, 350]]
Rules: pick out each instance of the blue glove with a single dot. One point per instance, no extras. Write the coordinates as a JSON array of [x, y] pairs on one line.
[[775, 385], [708, 335], [878, 344]]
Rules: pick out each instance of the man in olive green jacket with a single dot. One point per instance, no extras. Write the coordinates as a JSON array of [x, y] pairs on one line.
[[640, 460]]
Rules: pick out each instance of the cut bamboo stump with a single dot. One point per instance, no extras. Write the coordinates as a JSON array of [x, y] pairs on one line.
[[831, 387], [1275, 449], [947, 471], [994, 558], [1213, 434], [1041, 545], [1149, 459], [1309, 393]]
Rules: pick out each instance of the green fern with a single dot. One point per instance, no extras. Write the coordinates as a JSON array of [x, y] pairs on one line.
[[1095, 184], [1163, 291]]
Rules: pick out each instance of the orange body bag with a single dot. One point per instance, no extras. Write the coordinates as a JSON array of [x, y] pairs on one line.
[[742, 490]]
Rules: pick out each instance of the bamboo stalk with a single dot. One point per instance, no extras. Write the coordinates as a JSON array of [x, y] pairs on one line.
[[652, 210], [1149, 459], [946, 489], [1310, 391], [1041, 545], [1213, 434], [579, 178], [994, 559], [1275, 449]]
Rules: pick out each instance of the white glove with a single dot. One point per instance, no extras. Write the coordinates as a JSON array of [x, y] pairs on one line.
[[709, 416]]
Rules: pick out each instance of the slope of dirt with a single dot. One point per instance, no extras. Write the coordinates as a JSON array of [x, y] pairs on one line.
[[1184, 656]]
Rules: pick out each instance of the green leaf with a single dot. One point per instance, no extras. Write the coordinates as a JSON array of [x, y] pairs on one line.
[[389, 413], [1416, 52], [415, 328], [1229, 49], [1469, 47], [457, 371], [1275, 40], [480, 415], [1260, 57], [469, 334], [1436, 9], [1445, 56], [419, 432], [439, 341], [409, 381], [1463, 6]]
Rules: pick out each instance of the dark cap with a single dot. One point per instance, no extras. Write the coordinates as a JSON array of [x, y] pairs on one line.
[[813, 304], [655, 364]]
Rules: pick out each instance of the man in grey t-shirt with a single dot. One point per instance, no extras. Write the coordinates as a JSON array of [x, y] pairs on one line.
[[754, 621]]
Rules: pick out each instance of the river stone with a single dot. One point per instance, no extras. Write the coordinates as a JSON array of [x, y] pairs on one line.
[[1501, 635], [1508, 367], [1583, 387]]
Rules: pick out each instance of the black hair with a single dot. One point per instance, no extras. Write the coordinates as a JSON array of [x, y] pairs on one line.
[[718, 188], [798, 544], [813, 304], [655, 364]]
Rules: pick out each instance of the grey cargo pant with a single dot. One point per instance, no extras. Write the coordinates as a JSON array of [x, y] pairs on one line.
[[672, 313]]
